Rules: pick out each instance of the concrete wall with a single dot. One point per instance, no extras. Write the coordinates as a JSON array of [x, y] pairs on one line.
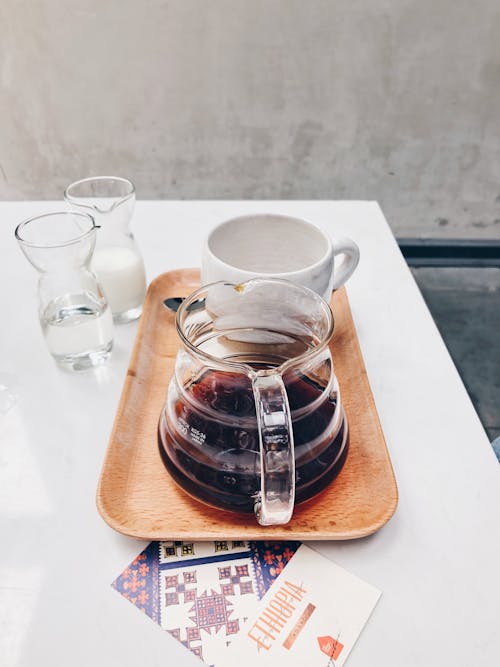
[[395, 100]]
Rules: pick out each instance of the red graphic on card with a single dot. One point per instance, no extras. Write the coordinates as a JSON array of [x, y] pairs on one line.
[[332, 647]]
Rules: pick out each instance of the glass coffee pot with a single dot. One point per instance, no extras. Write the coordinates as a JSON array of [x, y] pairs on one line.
[[253, 419]]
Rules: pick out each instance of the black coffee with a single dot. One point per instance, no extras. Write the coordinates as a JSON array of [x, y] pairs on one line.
[[214, 451]]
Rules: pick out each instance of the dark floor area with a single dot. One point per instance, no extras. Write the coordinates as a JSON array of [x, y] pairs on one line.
[[465, 304]]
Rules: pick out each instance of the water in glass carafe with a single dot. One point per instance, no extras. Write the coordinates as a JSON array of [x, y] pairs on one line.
[[74, 314]]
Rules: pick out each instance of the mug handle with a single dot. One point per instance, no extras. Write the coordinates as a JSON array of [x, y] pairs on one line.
[[350, 250], [274, 503]]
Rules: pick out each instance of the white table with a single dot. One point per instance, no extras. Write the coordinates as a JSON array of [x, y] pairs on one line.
[[437, 561]]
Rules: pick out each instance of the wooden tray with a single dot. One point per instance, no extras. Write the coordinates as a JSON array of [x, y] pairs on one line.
[[136, 495]]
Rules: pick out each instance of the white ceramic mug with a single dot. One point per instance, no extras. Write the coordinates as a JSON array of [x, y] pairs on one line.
[[277, 246]]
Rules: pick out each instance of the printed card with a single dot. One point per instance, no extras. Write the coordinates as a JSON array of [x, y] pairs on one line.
[[202, 593], [312, 615]]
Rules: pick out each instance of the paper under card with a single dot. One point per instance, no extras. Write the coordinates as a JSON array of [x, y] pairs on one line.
[[201, 593]]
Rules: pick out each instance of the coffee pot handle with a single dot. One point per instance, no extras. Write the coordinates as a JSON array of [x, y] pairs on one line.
[[274, 503]]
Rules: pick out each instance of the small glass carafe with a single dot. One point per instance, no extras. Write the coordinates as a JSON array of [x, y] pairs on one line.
[[253, 419], [74, 314], [117, 260]]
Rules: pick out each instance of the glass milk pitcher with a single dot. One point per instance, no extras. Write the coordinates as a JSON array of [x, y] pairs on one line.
[[253, 420], [117, 260]]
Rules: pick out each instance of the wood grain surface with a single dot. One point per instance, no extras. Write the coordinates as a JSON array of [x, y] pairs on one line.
[[136, 495]]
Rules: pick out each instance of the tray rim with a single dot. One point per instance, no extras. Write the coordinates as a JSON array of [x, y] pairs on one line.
[[271, 532]]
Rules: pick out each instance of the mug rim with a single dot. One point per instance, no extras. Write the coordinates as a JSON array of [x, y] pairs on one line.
[[270, 274]]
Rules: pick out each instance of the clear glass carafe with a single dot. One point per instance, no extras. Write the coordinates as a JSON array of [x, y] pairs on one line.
[[253, 419], [117, 260], [74, 314]]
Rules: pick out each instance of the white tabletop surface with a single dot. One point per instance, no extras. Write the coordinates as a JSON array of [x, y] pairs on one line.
[[437, 561]]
